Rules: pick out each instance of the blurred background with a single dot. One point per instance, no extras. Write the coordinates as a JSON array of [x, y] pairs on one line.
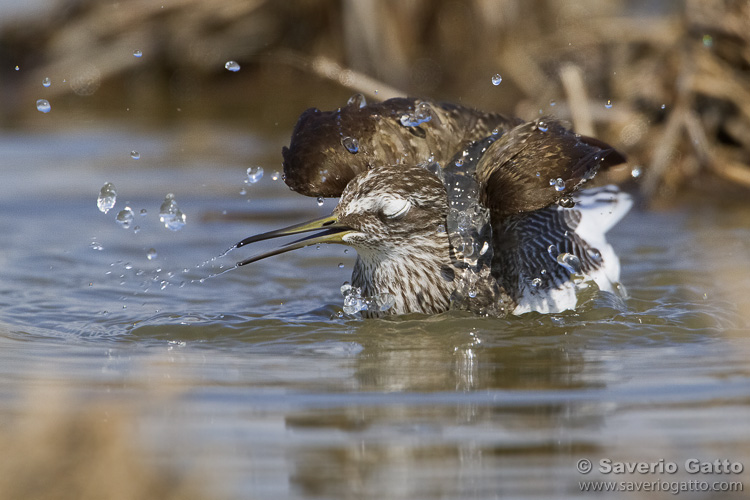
[[667, 82], [255, 383]]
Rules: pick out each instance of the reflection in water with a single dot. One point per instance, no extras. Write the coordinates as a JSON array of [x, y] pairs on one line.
[[461, 448], [275, 393]]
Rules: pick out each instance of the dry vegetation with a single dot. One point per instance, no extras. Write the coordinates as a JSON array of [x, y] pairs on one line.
[[677, 75], [54, 449]]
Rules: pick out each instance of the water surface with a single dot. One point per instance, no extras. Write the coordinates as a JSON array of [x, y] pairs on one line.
[[256, 382]]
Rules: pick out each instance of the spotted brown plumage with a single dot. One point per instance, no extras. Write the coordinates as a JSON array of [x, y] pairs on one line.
[[318, 163], [394, 211]]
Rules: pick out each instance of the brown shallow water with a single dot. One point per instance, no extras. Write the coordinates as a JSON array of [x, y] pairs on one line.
[[252, 385]]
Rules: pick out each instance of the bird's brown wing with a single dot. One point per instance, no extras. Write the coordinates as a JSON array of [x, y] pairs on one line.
[[536, 164], [329, 148]]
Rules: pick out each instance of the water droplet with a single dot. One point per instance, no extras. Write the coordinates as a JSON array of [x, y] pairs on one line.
[[484, 249], [663, 106], [552, 103], [708, 41], [320, 201], [536, 282], [543, 272], [384, 301], [43, 106], [552, 251], [460, 162], [595, 254], [559, 184], [538, 174], [570, 262], [135, 155], [144, 212], [496, 79], [351, 144], [608, 104], [275, 176], [542, 126], [472, 292], [171, 215], [125, 217], [151, 254], [422, 114], [243, 191], [232, 66], [46, 82], [254, 174], [441, 228], [137, 229], [107, 197], [137, 53], [357, 100], [341, 265], [636, 172], [95, 245], [566, 202]]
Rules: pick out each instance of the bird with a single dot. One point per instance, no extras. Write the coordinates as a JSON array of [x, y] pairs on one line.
[[449, 207]]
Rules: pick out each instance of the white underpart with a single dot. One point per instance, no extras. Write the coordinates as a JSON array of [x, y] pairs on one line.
[[601, 208]]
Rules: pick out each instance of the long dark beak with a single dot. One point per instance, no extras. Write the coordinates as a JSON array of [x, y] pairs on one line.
[[331, 232]]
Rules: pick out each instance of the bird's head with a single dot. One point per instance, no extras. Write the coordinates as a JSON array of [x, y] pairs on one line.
[[385, 211]]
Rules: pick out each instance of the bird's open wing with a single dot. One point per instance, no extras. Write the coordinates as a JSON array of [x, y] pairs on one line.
[[536, 164], [530, 249], [329, 148]]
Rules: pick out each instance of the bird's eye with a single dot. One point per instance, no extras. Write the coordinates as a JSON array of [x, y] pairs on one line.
[[395, 208]]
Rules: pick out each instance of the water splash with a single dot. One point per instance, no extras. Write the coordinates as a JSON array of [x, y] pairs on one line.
[[171, 215], [254, 174], [469, 231], [351, 144], [357, 100], [570, 262], [107, 197], [125, 217], [421, 114], [594, 254], [354, 302], [559, 184], [566, 202]]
